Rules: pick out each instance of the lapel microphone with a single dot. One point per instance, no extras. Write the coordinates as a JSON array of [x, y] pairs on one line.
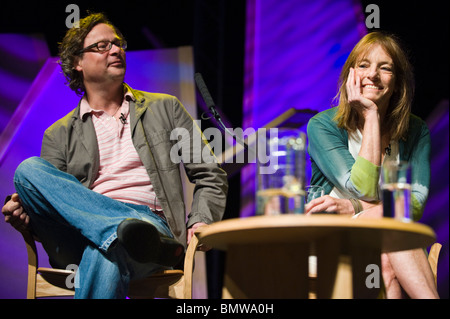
[[388, 150], [123, 119]]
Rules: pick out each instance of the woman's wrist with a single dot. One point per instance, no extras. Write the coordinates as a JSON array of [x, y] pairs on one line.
[[357, 207]]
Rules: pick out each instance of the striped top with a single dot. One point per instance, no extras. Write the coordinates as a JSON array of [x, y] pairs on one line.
[[121, 175]]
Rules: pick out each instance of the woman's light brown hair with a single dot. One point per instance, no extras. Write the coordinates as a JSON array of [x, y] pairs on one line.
[[396, 120]]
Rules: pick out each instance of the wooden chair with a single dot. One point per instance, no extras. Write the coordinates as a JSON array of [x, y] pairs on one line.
[[50, 282], [433, 258]]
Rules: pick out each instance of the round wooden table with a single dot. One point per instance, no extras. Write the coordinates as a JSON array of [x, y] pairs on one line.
[[267, 256]]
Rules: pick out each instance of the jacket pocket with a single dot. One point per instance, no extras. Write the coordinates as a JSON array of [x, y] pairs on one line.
[[160, 146]]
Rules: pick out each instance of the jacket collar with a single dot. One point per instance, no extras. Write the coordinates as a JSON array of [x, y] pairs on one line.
[[137, 107]]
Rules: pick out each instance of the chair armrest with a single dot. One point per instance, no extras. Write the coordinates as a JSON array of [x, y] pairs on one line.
[[189, 263], [31, 248], [433, 258], [32, 263]]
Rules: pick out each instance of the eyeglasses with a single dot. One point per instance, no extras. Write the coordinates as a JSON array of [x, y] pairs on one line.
[[103, 46]]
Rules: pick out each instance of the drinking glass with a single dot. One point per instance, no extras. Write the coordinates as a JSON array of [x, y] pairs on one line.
[[313, 192], [396, 190], [281, 191]]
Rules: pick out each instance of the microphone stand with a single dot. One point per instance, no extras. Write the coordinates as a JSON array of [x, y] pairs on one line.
[[217, 117], [210, 104]]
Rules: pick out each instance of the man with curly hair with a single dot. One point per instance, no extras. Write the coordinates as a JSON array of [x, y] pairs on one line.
[[105, 194]]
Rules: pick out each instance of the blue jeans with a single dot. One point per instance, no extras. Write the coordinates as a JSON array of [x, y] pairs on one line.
[[77, 226]]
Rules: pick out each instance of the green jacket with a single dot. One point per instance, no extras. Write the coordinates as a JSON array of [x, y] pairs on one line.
[[332, 164], [71, 145]]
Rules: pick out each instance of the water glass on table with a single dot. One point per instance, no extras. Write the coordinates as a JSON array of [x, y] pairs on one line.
[[313, 192], [396, 190]]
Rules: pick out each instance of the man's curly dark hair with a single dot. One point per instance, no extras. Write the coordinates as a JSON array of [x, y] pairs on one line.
[[72, 44]]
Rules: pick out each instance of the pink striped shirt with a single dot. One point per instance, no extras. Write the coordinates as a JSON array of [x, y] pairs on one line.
[[121, 175]]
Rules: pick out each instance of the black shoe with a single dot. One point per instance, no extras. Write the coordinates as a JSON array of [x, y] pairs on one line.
[[145, 244]]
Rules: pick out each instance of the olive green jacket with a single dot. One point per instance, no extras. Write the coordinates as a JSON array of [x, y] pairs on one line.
[[71, 145]]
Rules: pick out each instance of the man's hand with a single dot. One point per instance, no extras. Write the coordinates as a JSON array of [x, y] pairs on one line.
[[190, 233], [15, 214]]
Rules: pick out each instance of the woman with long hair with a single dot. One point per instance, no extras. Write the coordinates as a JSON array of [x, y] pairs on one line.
[[348, 144]]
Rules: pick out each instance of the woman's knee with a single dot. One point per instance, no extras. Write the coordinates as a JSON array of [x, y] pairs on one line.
[[388, 272]]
